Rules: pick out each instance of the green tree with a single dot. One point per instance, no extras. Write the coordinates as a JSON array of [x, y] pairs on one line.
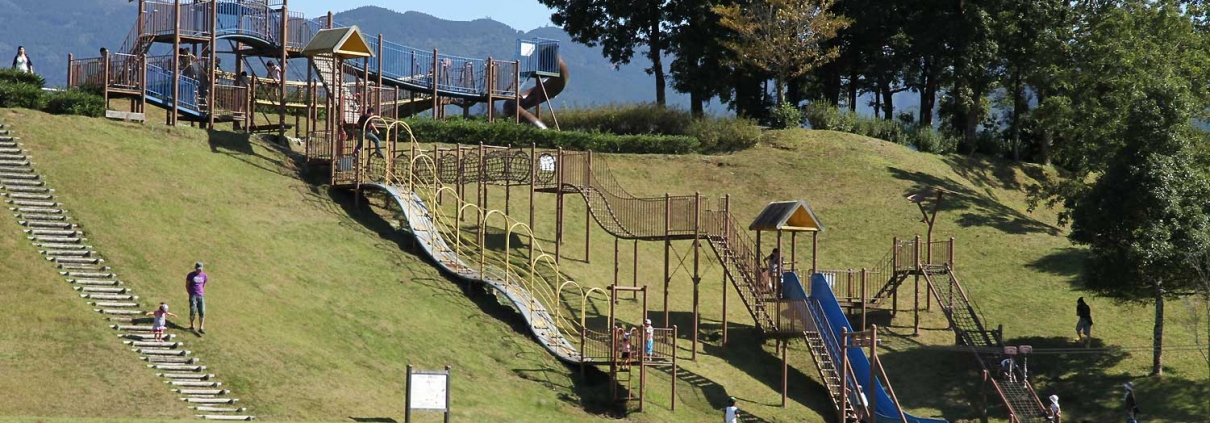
[[1145, 219], [783, 37], [701, 63], [620, 27]]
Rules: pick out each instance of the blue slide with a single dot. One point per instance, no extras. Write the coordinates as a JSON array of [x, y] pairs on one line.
[[822, 303]]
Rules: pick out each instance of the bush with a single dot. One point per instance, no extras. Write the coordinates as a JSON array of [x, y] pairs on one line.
[[787, 115], [22, 95], [508, 133], [640, 119], [75, 102], [13, 76], [924, 138], [726, 134]]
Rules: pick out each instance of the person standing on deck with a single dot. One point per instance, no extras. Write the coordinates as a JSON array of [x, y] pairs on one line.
[[774, 266], [195, 286], [649, 335], [1054, 413]]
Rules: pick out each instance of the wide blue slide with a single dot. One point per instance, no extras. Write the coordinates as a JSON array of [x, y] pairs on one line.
[[822, 303]]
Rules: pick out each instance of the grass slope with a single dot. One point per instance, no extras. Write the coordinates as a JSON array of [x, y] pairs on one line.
[[317, 306]]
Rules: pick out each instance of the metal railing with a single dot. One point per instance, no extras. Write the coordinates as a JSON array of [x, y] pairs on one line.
[[125, 71], [87, 74], [229, 99]]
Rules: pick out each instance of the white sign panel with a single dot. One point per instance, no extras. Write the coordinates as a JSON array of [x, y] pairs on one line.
[[427, 391], [546, 163], [527, 48]]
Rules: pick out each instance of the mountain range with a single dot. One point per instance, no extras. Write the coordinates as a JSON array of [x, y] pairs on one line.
[[82, 27]]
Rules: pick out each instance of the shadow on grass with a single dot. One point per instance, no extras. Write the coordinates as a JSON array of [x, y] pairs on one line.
[[240, 147], [745, 352], [1065, 262], [373, 419], [980, 209]]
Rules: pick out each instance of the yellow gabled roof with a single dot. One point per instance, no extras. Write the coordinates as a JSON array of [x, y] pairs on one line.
[[345, 43], [794, 216]]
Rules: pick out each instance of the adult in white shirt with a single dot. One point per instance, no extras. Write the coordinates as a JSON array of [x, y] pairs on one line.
[[731, 413], [22, 62]]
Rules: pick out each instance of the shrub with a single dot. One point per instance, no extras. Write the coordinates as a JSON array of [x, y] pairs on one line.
[[75, 102], [640, 119], [924, 138], [13, 76], [27, 96], [725, 134], [787, 115], [508, 133]]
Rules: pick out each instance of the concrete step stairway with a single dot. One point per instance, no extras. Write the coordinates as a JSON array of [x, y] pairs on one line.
[[61, 241]]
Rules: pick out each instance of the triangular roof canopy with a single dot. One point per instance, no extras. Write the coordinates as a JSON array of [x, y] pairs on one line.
[[345, 43], [793, 216]]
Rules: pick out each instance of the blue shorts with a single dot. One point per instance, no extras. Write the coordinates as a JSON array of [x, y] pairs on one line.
[[650, 346], [197, 305]]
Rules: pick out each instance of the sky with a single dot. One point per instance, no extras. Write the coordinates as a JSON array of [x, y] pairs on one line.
[[523, 15]]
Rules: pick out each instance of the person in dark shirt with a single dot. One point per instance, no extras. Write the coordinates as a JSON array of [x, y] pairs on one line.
[[369, 131], [1084, 325], [1131, 405]]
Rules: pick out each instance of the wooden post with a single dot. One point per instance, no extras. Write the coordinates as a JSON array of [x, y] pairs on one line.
[[436, 77], [844, 371], [634, 283], [70, 59], [533, 187], [814, 252], [615, 262], [951, 254], [667, 251], [211, 79], [697, 276], [778, 267], [559, 207], [176, 63], [105, 76], [785, 372], [726, 270], [508, 172], [142, 28], [380, 78], [613, 342], [588, 211], [281, 85], [489, 81], [143, 78], [675, 335], [794, 252], [872, 388], [517, 90], [863, 299], [916, 302], [758, 266]]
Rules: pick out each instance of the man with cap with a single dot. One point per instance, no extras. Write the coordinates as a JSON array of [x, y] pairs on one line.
[[1131, 405], [731, 413], [195, 286], [649, 333]]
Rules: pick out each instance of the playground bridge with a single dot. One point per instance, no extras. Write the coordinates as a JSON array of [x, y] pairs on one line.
[[398, 79]]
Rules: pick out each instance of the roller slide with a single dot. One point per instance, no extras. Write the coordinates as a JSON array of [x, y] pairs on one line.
[[543, 91], [428, 236], [823, 302]]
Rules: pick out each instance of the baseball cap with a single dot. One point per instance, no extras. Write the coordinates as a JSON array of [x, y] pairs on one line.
[[197, 265], [1129, 386], [647, 321], [163, 307]]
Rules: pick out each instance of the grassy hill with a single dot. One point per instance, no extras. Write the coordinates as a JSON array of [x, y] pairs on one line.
[[318, 304]]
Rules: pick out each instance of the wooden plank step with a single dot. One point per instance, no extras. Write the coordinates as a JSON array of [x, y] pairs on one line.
[[88, 274], [102, 290], [144, 336], [33, 203], [113, 304], [224, 417], [37, 210], [49, 246], [76, 260], [18, 175], [110, 297], [177, 367], [170, 359], [210, 400], [187, 391], [194, 383], [190, 376], [29, 196], [42, 217], [95, 282], [162, 352], [21, 182], [48, 225], [66, 253], [219, 409], [119, 312], [29, 190], [132, 328]]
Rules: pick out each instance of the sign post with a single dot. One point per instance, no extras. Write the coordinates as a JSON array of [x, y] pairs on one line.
[[427, 390]]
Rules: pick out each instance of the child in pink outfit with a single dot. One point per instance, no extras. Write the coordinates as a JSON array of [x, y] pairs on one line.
[[160, 321]]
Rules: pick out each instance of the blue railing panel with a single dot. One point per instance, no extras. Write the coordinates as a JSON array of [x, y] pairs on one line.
[[538, 56]]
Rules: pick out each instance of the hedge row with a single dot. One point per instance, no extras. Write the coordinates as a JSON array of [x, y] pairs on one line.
[[923, 138], [714, 134], [508, 133], [24, 90]]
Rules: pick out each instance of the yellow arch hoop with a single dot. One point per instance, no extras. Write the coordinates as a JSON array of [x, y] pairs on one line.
[[508, 250], [412, 171], [461, 212]]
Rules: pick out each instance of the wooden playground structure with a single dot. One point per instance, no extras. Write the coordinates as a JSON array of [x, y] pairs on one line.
[[346, 72]]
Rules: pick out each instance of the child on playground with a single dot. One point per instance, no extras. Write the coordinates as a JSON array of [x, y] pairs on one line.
[[731, 413], [1054, 413], [160, 321], [626, 350], [649, 333]]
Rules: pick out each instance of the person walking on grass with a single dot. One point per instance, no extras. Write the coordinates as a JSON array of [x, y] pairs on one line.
[[160, 321], [22, 62], [731, 413], [1084, 325], [195, 286], [1131, 406]]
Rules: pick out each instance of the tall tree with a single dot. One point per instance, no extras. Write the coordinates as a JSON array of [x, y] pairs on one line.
[[619, 27], [1145, 219], [701, 64], [782, 37]]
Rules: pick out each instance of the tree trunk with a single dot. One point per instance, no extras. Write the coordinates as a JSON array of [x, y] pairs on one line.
[[928, 95], [973, 111], [831, 83], [779, 85], [696, 104], [1045, 140], [853, 87], [888, 100], [1019, 108], [877, 103], [655, 52], [1157, 354]]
